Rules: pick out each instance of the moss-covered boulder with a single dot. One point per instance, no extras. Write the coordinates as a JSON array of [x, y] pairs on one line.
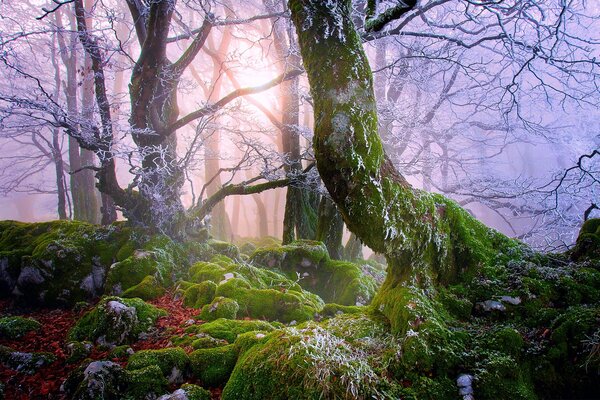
[[58, 262], [145, 383], [200, 294], [159, 257], [213, 366], [77, 351], [172, 362], [27, 363], [149, 288], [16, 327], [228, 329], [189, 392], [220, 307], [308, 263], [96, 380], [115, 321], [342, 359], [260, 293], [588, 241]]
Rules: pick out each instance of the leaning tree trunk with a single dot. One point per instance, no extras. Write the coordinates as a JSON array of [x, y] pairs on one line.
[[426, 238], [330, 228]]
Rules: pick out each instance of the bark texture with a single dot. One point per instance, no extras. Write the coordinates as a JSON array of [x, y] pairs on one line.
[[426, 238]]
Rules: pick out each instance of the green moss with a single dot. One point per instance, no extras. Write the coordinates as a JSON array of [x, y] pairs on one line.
[[343, 358], [15, 327], [213, 366], [198, 295], [147, 382], [228, 329], [270, 304], [149, 288], [123, 351], [308, 262], [224, 248], [195, 392], [77, 351], [332, 309], [106, 325], [58, 262], [207, 342], [130, 272], [169, 360], [221, 307], [27, 363]]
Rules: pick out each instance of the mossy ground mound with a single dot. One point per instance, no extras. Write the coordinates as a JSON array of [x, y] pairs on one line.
[[59, 262], [258, 292], [15, 327], [308, 263]]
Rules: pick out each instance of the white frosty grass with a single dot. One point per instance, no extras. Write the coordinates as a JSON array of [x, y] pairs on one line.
[[341, 358]]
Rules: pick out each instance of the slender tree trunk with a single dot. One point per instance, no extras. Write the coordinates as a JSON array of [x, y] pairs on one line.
[[426, 238], [263, 225], [330, 228], [353, 250]]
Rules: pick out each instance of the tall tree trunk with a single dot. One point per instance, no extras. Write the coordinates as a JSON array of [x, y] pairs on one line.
[[263, 224], [426, 238], [300, 215], [353, 250], [330, 228]]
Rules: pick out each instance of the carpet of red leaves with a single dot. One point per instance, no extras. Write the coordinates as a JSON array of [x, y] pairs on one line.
[[46, 382]]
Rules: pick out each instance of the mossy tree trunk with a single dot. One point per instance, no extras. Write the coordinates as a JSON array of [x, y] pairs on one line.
[[330, 228], [426, 238]]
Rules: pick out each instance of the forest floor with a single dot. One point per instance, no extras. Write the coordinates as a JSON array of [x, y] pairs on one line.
[[45, 383]]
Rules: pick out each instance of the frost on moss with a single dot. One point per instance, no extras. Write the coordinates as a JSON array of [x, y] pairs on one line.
[[15, 327], [159, 257], [342, 359], [309, 264], [115, 321]]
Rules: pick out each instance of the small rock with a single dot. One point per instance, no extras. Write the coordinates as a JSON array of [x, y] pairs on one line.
[[179, 394], [464, 380], [465, 390], [260, 335], [515, 301], [492, 305]]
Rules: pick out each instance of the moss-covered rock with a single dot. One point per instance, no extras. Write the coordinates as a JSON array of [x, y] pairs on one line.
[[588, 241], [189, 392], [96, 380], [228, 329], [15, 327], [27, 363], [198, 295], [220, 307], [343, 358], [309, 264], [213, 366], [260, 293], [172, 362], [145, 383], [77, 351], [224, 248], [58, 262], [115, 321], [149, 288]]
